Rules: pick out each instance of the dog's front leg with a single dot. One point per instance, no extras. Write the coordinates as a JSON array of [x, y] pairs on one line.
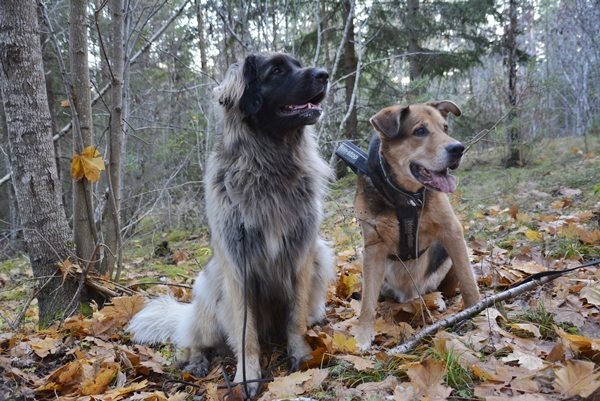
[[457, 250], [242, 338], [298, 347], [374, 260]]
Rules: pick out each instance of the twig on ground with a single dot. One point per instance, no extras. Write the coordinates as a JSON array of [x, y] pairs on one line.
[[161, 283], [34, 292], [526, 285], [12, 326]]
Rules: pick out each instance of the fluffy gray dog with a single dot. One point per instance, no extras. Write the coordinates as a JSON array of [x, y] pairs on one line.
[[264, 184]]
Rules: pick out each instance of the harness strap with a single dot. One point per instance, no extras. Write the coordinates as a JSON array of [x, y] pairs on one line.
[[406, 204]]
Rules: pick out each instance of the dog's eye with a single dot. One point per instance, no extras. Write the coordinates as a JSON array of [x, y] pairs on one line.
[[446, 129], [421, 132], [276, 70]]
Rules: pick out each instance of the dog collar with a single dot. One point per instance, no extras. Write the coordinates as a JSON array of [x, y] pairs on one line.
[[406, 203]]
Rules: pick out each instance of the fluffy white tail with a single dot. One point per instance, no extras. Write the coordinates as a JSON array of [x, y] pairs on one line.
[[158, 321]]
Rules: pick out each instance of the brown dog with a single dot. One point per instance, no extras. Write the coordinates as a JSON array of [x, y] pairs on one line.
[[413, 241]]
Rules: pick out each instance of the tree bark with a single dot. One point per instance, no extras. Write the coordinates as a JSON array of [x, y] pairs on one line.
[[112, 233], [513, 157], [35, 177], [80, 80], [351, 125], [202, 39], [412, 25]]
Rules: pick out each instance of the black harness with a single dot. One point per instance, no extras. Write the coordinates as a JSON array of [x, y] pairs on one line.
[[406, 204]]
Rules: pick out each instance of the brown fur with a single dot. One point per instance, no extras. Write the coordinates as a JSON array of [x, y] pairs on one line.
[[401, 145]]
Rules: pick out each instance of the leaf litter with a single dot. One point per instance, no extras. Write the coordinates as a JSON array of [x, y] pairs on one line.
[[542, 345]]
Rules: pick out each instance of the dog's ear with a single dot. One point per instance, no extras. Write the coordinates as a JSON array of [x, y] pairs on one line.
[[445, 107], [251, 100], [387, 121]]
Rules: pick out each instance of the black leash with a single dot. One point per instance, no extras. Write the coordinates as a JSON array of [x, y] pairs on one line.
[[556, 273], [242, 238], [406, 204]]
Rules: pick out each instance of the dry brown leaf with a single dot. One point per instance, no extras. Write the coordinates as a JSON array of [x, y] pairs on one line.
[[117, 393], [428, 379], [289, 386], [97, 385], [591, 294], [44, 347], [181, 256], [577, 378], [589, 237], [360, 363], [62, 379], [376, 388], [525, 360]]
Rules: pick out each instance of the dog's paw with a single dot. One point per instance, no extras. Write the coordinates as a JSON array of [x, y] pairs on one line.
[[364, 339], [198, 366], [299, 351]]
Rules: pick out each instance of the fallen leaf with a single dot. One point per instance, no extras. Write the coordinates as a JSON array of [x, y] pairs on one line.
[[359, 363], [291, 385], [428, 379], [344, 344], [577, 378], [591, 294], [345, 285]]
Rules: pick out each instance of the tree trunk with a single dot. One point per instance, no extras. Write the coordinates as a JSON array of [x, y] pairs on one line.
[[13, 212], [112, 233], [513, 157], [412, 25], [35, 178], [202, 40], [325, 31], [83, 226], [351, 125]]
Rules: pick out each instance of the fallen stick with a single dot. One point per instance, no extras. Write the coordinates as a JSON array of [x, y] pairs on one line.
[[526, 285]]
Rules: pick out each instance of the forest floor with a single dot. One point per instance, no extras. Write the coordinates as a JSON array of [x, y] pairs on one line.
[[540, 345]]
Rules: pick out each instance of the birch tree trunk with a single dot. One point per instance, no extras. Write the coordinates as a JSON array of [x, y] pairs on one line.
[[35, 177], [112, 228]]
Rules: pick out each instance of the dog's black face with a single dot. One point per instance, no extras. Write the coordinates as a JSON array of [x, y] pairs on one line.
[[280, 93]]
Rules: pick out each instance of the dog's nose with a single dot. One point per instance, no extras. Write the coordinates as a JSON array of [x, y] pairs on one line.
[[321, 74], [455, 150]]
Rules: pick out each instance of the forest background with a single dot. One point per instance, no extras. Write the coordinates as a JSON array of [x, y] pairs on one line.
[[140, 76]]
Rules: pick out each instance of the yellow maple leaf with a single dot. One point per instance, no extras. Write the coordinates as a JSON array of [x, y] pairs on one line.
[[345, 285], [533, 235], [88, 164], [342, 343]]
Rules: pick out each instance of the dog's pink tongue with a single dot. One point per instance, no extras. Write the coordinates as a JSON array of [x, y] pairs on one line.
[[443, 181]]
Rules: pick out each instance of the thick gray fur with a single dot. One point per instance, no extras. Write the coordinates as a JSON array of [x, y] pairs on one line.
[[264, 195]]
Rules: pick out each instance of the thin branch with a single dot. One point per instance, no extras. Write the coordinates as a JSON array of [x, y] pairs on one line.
[[527, 285], [485, 132]]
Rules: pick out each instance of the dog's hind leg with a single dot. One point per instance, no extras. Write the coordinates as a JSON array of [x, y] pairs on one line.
[[199, 332]]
